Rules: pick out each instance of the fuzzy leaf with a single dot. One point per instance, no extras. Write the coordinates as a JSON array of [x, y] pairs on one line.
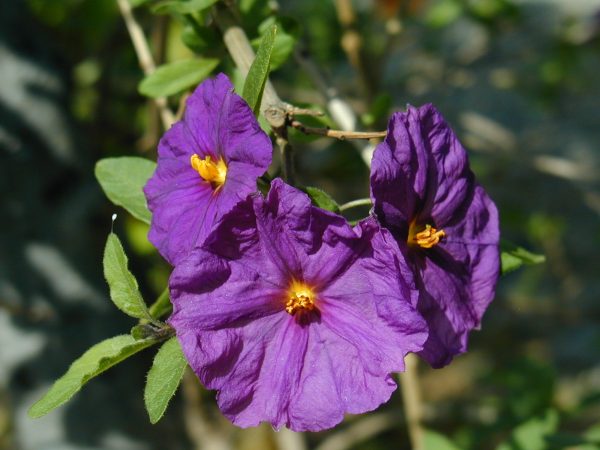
[[514, 257], [164, 378], [322, 199], [124, 291], [175, 77], [93, 362], [259, 70], [122, 180]]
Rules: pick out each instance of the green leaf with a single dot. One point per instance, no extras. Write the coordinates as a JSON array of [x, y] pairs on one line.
[[436, 441], [162, 305], [284, 40], [514, 257], [182, 6], [322, 199], [532, 434], [199, 39], [175, 77], [164, 378], [122, 180], [124, 291], [93, 362], [259, 70]]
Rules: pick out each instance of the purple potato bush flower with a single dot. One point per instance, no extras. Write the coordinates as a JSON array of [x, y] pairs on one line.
[[424, 192], [207, 162], [293, 316]]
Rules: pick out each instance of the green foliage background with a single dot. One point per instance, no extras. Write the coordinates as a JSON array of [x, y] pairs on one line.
[[516, 78]]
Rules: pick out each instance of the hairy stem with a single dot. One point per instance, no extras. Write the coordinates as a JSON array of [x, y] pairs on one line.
[[355, 203]]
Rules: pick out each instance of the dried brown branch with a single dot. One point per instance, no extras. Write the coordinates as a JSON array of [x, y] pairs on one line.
[[337, 134], [142, 50]]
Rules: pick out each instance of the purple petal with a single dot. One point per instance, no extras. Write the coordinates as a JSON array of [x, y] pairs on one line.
[[303, 372], [217, 123], [420, 175]]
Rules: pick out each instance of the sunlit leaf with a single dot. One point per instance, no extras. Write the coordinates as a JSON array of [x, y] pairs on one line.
[[93, 362], [122, 180], [176, 77], [284, 40], [514, 257], [259, 70], [164, 378], [124, 291]]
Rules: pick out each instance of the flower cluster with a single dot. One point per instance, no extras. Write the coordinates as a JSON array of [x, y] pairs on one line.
[[291, 314]]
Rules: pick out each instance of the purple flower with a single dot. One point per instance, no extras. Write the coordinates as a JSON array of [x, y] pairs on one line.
[[207, 163], [425, 193], [294, 317]]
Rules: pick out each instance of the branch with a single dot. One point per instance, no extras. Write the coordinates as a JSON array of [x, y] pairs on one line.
[[204, 434], [289, 440], [352, 42], [339, 109], [338, 134], [241, 52], [142, 50], [411, 396], [363, 429]]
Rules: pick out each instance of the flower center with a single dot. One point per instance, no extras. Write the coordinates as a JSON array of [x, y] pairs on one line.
[[301, 298], [214, 173], [427, 238]]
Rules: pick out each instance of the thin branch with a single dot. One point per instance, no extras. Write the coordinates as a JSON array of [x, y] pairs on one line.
[[411, 396], [355, 203], [204, 434], [339, 109], [241, 52], [338, 134], [142, 50], [360, 431], [275, 111], [290, 440], [352, 42]]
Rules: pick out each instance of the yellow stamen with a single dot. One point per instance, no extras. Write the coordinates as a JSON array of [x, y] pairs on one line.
[[428, 238], [214, 173], [301, 298]]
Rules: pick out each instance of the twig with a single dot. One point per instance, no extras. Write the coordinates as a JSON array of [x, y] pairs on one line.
[[204, 435], [338, 134], [352, 43], [289, 440], [142, 50], [287, 155], [411, 396], [241, 52], [341, 112], [355, 203], [296, 111], [275, 111], [360, 431]]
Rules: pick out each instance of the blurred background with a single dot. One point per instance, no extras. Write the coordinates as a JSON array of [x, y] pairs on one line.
[[517, 79]]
